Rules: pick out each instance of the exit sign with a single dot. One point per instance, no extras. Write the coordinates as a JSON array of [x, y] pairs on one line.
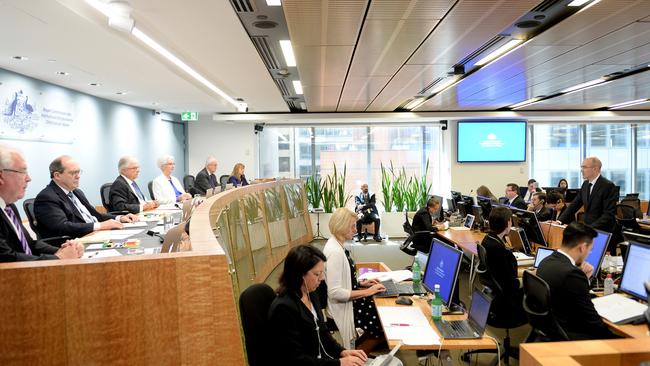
[[189, 116]]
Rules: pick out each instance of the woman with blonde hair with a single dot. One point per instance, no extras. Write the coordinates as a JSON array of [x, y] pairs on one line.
[[237, 177], [484, 191], [350, 300]]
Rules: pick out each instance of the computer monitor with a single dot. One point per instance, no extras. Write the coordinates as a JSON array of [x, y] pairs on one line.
[[571, 194], [541, 254], [477, 211], [551, 189], [636, 270], [486, 206], [442, 269], [422, 259], [639, 238], [451, 205], [455, 196], [595, 257], [527, 220]]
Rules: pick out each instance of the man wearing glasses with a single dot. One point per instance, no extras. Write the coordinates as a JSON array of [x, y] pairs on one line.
[[61, 208], [598, 195], [15, 242], [125, 194]]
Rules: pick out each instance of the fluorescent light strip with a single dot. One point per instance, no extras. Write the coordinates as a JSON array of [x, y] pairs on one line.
[[499, 52], [445, 84], [297, 86], [273, 3], [414, 103], [578, 2], [629, 103], [583, 86], [526, 103], [287, 51]]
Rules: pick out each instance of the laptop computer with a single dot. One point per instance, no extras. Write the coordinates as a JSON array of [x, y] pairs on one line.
[[385, 360], [541, 254], [467, 224], [472, 327]]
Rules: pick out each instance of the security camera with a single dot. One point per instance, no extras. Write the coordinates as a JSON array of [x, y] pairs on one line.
[[156, 112], [259, 127], [444, 125]]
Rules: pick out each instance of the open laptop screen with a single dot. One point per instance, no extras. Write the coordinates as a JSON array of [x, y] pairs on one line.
[[541, 254], [480, 309], [595, 257], [636, 271]]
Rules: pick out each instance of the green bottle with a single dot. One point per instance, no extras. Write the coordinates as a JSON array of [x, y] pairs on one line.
[[417, 273], [436, 304]]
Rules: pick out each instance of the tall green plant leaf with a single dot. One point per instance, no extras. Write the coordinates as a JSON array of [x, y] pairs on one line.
[[386, 188]]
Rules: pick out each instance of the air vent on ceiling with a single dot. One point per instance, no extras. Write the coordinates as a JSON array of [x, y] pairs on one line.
[[262, 45], [243, 6], [431, 85], [482, 49], [545, 5], [293, 105], [282, 85]]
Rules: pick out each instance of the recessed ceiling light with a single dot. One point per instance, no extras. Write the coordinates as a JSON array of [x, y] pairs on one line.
[[583, 86], [578, 2], [51, 60], [287, 50], [629, 103], [297, 86], [21, 58], [62, 73], [273, 2], [95, 84], [499, 52], [154, 103]]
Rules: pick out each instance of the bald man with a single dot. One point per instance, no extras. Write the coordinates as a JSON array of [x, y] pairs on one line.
[[598, 195], [205, 179]]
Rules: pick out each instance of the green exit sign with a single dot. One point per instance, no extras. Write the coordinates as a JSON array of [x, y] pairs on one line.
[[189, 116]]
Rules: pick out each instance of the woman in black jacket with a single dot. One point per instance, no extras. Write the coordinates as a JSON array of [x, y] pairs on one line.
[[299, 335]]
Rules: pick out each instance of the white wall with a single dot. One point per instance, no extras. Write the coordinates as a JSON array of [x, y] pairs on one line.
[[468, 176], [229, 142]]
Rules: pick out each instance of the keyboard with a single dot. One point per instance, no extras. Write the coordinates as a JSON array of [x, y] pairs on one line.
[[454, 329], [395, 289]]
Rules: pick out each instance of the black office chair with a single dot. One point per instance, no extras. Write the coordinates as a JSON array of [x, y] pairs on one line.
[[188, 184], [254, 304], [633, 202], [104, 191], [28, 207], [223, 180], [150, 187], [408, 245], [537, 304], [626, 219]]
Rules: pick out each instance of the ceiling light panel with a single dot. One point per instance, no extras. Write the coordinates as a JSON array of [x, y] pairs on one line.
[[287, 51]]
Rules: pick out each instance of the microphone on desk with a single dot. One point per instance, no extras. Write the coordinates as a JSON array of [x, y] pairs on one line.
[[153, 233]]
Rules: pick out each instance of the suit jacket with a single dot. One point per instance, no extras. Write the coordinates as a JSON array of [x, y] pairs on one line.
[[502, 265], [57, 215], [203, 182], [422, 221], [295, 338], [11, 250], [371, 204], [570, 299], [122, 198], [600, 206], [544, 214], [518, 203]]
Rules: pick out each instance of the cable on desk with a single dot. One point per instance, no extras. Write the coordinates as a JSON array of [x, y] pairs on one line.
[[498, 348]]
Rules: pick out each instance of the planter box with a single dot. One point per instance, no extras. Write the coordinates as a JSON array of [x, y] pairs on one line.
[[391, 224], [324, 223]]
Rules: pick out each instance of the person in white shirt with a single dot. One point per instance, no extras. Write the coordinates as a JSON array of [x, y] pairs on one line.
[[168, 189]]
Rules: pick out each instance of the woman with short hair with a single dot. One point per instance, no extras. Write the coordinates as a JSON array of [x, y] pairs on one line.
[[166, 188]]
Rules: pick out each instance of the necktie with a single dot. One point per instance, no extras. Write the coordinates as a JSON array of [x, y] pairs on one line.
[[88, 218], [213, 180], [176, 191], [138, 191], [589, 192], [19, 230]]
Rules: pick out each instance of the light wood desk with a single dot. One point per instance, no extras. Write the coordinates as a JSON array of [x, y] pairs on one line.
[[586, 353]]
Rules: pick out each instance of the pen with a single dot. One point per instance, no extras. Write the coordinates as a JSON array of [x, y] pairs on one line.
[[400, 325]]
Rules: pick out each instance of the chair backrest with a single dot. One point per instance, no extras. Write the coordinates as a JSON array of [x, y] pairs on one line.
[[173, 238], [223, 180], [28, 207], [188, 183], [408, 228], [626, 217], [254, 304], [537, 304], [104, 191], [150, 187], [629, 209]]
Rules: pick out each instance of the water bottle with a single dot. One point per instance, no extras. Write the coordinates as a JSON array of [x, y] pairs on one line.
[[606, 261], [417, 274], [436, 304], [609, 285]]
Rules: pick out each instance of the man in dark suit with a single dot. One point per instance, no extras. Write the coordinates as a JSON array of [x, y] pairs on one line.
[[514, 200], [538, 206], [367, 212], [205, 179], [15, 242], [125, 194], [598, 195], [61, 208], [567, 274], [423, 222]]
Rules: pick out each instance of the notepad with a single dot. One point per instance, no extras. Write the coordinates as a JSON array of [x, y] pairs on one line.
[[618, 309], [407, 324]]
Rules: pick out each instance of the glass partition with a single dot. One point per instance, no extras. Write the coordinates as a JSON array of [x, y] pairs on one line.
[[240, 247], [276, 218], [256, 228], [295, 205]]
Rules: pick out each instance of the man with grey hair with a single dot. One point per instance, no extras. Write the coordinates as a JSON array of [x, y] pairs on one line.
[[167, 189], [598, 195], [125, 194], [15, 242], [61, 208], [205, 179]]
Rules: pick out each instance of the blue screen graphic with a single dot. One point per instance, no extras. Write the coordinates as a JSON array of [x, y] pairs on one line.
[[598, 250], [491, 141], [442, 268], [636, 271]]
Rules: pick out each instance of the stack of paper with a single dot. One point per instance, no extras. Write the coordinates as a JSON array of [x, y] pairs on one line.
[[102, 254], [618, 308], [396, 276], [407, 324]]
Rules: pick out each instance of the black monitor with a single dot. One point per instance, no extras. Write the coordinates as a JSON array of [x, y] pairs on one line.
[[571, 194], [477, 211], [486, 206], [595, 257], [451, 205], [442, 268], [528, 221], [636, 270], [639, 238], [552, 189], [455, 196]]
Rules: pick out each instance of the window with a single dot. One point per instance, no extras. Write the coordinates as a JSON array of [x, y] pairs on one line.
[[556, 154], [613, 149]]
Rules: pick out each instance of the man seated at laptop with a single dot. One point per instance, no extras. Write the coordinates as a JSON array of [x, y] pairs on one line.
[[538, 206], [555, 200], [567, 274], [424, 221], [367, 212], [514, 200]]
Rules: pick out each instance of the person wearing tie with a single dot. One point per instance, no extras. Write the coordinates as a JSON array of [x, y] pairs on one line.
[[16, 244], [205, 179], [61, 208], [367, 212], [598, 196], [514, 199], [125, 194], [167, 189]]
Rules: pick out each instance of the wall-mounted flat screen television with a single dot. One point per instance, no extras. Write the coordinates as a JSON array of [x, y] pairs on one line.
[[491, 141]]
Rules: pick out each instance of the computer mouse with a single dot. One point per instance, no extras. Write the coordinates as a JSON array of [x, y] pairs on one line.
[[403, 300]]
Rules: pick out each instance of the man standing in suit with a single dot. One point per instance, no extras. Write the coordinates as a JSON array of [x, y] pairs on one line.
[[61, 208], [367, 211], [514, 200], [567, 274], [15, 242], [598, 195], [125, 194], [205, 179]]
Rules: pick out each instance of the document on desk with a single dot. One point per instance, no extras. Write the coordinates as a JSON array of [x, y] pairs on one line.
[[127, 225], [102, 254], [397, 276], [104, 235], [169, 206], [407, 324], [618, 308]]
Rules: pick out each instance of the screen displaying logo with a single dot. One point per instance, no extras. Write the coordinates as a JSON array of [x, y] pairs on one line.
[[491, 142]]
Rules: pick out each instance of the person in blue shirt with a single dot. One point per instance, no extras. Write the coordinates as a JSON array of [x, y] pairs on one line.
[[237, 177]]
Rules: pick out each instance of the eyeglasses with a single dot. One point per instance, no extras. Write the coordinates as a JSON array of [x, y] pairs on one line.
[[133, 167], [76, 172], [585, 167], [15, 171]]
